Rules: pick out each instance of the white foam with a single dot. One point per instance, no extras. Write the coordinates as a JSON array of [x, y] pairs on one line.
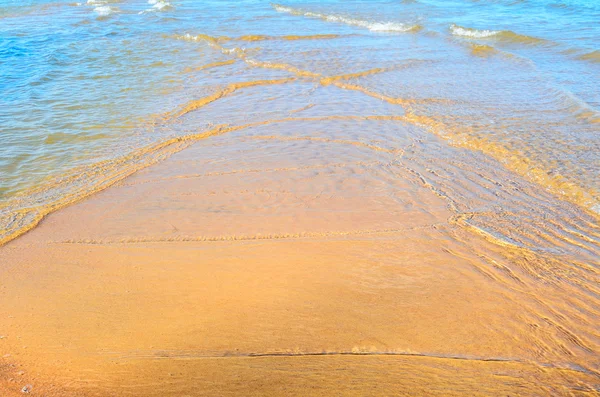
[[475, 33], [372, 26], [281, 8], [104, 10], [157, 5]]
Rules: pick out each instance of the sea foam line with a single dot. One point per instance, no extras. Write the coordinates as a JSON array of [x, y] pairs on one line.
[[372, 26], [475, 33], [503, 35]]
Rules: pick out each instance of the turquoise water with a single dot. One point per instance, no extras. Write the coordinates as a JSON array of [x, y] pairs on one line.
[[83, 85]]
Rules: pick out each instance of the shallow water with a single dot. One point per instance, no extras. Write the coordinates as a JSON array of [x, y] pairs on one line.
[[85, 84], [416, 179]]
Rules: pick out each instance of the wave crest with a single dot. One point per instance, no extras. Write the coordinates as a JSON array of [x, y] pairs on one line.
[[373, 26], [160, 4], [104, 11], [469, 32], [502, 35]]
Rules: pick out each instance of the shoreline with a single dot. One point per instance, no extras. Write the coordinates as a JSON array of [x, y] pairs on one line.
[[307, 199], [123, 293], [122, 167]]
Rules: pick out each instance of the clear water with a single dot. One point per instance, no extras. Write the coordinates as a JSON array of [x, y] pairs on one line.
[[87, 89]]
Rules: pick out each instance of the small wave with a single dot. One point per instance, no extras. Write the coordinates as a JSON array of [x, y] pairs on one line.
[[104, 11], [558, 5], [475, 33], [503, 35], [372, 26], [254, 37], [593, 56], [159, 5], [482, 50], [310, 37], [98, 2], [211, 40]]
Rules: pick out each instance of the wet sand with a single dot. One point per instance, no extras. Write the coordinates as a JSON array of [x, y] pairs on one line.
[[254, 264], [214, 198]]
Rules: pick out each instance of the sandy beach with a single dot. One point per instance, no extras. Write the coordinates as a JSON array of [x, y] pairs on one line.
[[313, 198], [302, 270]]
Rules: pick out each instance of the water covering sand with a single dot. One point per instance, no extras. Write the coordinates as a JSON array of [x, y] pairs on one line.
[[294, 199]]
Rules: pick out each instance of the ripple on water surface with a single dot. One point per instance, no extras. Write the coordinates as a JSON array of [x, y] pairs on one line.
[[107, 82]]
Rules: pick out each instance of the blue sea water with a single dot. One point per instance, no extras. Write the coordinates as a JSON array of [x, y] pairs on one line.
[[83, 85]]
